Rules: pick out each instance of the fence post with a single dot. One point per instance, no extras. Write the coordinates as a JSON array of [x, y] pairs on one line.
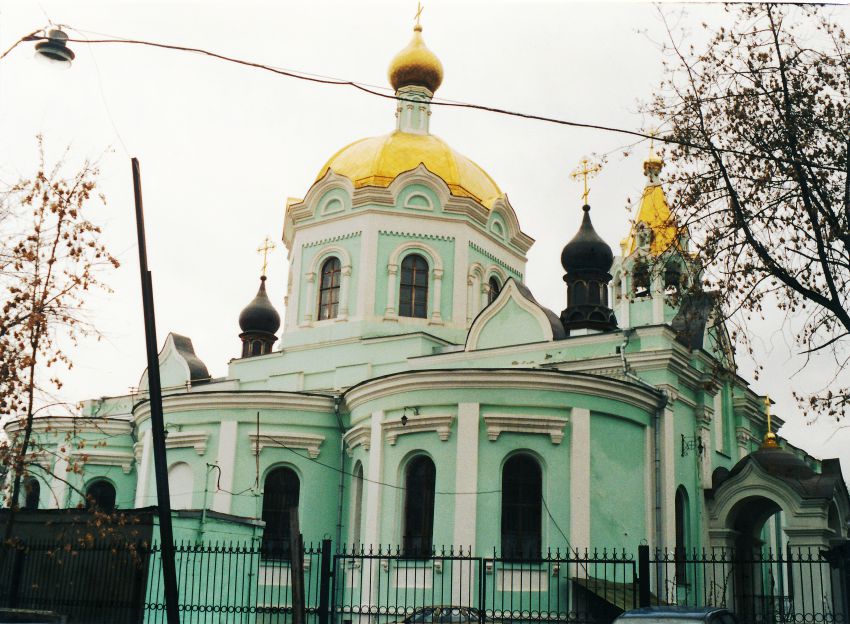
[[325, 582], [643, 576]]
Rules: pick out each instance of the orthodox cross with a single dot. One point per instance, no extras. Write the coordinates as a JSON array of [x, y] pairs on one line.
[[652, 132], [585, 171], [419, 8], [264, 249], [769, 437]]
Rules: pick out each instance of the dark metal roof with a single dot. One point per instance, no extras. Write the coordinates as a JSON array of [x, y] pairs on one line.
[[260, 315], [587, 250]]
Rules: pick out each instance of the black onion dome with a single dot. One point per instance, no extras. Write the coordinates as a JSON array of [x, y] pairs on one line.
[[587, 250], [260, 315]]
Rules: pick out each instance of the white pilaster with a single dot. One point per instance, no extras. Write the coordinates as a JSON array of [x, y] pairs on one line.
[[222, 500], [460, 308], [373, 500], [58, 486], [657, 291], [373, 488], [392, 287], [668, 477], [436, 316], [142, 499], [343, 293], [580, 478], [623, 317], [466, 502], [309, 299], [649, 483], [719, 430]]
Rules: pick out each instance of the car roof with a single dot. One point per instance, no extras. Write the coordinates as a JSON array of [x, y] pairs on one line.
[[673, 612]]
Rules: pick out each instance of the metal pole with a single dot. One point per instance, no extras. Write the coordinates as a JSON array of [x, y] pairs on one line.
[[163, 497]]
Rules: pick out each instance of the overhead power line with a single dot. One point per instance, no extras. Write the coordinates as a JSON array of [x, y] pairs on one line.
[[435, 102]]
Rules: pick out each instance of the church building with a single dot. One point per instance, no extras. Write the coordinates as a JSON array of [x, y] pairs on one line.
[[415, 393]]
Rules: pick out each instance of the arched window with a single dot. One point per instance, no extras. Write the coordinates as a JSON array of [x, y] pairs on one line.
[[413, 288], [522, 495], [329, 289], [672, 279], [257, 348], [100, 496], [680, 554], [641, 280], [418, 530], [495, 288], [32, 492], [280, 495], [356, 503]]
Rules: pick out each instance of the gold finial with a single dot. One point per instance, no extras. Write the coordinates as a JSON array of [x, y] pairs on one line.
[[419, 8], [653, 162], [769, 437], [585, 171], [264, 249]]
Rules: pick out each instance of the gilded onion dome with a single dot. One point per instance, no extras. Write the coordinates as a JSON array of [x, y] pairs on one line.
[[377, 161], [653, 213], [416, 65]]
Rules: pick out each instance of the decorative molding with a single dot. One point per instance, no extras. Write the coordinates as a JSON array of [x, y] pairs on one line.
[[493, 258], [219, 401], [357, 436], [441, 425], [501, 378], [306, 441], [331, 239], [73, 424], [138, 447], [406, 235], [182, 439], [522, 423], [97, 457]]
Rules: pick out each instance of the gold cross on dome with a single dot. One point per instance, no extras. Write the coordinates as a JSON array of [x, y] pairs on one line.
[[769, 437], [652, 132], [264, 249], [586, 170], [419, 8]]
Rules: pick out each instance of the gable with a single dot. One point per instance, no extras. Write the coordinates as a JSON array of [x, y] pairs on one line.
[[514, 318]]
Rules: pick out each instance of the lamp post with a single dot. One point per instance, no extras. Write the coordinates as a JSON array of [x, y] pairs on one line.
[[55, 49]]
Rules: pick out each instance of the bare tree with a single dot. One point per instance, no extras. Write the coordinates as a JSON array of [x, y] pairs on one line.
[[50, 257], [759, 124]]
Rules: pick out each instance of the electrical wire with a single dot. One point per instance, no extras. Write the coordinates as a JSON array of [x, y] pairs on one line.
[[435, 102]]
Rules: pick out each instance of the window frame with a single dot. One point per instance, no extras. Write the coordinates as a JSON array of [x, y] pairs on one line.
[[92, 504], [334, 289], [418, 508], [411, 287], [527, 535], [276, 534]]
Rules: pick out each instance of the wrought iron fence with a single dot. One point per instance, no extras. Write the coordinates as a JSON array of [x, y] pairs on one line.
[[242, 582]]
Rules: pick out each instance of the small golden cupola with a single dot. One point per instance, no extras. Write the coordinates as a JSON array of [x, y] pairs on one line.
[[416, 65], [655, 226]]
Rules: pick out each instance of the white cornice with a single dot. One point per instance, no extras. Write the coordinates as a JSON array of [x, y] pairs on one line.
[[73, 424], [441, 425], [248, 400], [97, 457], [286, 440], [357, 436], [487, 379], [183, 439], [521, 423]]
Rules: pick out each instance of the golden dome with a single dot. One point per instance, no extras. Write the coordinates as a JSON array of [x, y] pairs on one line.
[[377, 161], [416, 65], [656, 215]]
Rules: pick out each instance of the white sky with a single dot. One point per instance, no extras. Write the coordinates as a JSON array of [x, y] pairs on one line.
[[222, 146]]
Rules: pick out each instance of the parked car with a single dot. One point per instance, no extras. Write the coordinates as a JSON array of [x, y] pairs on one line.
[[445, 614], [677, 615]]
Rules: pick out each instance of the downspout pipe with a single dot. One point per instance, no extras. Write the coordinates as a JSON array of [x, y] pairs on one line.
[[337, 400], [663, 399]]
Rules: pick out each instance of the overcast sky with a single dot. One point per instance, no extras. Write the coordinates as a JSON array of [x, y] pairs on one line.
[[222, 146]]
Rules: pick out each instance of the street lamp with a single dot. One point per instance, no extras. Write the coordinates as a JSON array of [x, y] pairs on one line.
[[55, 48]]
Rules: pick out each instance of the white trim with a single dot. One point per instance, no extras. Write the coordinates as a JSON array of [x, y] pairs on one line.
[[357, 436], [73, 424], [400, 383], [226, 461], [243, 401], [305, 441], [96, 457], [441, 425], [509, 292], [521, 423], [144, 470], [580, 478], [421, 175], [182, 439]]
